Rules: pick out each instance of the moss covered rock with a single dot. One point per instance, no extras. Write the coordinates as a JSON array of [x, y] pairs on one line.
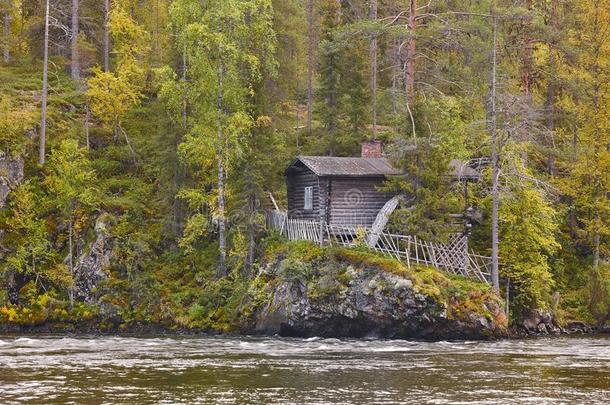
[[336, 292]]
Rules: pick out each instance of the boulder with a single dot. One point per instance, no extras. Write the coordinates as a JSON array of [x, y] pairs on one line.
[[538, 322], [372, 304]]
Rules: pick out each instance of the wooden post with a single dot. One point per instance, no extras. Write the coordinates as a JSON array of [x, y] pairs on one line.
[[408, 252]]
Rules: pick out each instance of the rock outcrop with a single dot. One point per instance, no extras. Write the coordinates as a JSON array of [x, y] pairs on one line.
[[369, 302], [540, 322], [90, 268], [11, 174]]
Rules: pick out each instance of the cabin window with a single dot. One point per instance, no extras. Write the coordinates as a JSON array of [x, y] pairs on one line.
[[308, 198]]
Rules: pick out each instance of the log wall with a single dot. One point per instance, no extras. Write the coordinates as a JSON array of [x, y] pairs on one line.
[[356, 201]]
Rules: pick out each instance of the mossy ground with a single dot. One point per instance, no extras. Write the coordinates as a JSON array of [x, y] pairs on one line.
[[179, 297]]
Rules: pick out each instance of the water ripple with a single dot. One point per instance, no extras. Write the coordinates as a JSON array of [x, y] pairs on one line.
[[45, 369]]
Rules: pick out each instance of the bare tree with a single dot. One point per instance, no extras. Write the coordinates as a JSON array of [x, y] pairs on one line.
[[495, 161], [411, 48], [6, 31], [74, 63], [106, 35], [311, 48], [222, 223], [45, 85], [373, 60], [551, 89]]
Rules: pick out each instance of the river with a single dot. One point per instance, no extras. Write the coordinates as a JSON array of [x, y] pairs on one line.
[[52, 369]]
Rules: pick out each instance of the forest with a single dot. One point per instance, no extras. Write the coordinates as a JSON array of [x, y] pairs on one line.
[[153, 131]]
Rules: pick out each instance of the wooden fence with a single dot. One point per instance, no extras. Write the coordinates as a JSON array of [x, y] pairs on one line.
[[453, 257]]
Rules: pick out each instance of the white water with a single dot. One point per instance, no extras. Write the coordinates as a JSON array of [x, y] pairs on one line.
[[272, 370]]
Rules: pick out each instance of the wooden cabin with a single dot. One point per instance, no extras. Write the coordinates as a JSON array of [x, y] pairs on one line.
[[344, 191]]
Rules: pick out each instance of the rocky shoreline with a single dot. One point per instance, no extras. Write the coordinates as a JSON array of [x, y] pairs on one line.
[[151, 329], [333, 293]]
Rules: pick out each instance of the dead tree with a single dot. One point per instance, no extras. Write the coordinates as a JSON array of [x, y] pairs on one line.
[[45, 85]]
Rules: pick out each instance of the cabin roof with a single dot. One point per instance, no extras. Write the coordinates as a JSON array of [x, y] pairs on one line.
[[460, 170], [346, 166], [369, 167]]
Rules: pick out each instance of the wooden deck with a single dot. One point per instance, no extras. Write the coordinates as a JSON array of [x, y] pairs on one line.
[[452, 257]]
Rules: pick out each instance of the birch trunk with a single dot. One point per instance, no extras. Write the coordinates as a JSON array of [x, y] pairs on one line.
[[222, 238], [74, 63], [311, 45], [71, 260], [373, 60], [45, 84], [527, 62], [550, 94], [106, 35], [6, 32], [411, 48], [495, 245], [251, 232]]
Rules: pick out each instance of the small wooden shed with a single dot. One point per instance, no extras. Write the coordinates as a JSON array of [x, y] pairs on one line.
[[344, 191], [341, 191]]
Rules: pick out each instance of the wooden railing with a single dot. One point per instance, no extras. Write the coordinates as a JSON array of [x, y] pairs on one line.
[[452, 257]]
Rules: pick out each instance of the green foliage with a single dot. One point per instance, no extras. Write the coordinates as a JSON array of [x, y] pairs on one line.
[[112, 94], [14, 124], [430, 196], [528, 239], [28, 250], [293, 270], [70, 179], [173, 60], [599, 295], [45, 308]]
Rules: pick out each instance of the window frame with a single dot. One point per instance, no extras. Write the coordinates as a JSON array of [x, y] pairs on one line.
[[306, 206]]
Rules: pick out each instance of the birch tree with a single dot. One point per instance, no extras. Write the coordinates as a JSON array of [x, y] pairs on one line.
[[6, 30], [45, 85], [217, 41], [106, 36], [74, 61]]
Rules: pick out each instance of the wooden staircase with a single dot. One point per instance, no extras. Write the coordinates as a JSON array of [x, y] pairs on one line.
[[383, 216]]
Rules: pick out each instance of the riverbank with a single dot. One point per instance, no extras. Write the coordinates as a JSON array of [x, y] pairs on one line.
[[299, 290]]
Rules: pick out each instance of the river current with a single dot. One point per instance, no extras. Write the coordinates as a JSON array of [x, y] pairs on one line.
[[52, 369]]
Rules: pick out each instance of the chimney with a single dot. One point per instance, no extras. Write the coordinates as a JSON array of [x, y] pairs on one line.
[[371, 149]]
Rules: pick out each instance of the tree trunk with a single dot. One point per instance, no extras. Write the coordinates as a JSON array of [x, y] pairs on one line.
[[311, 48], [106, 35], [596, 249], [550, 94], [222, 238], [495, 245], [527, 54], [373, 60], [74, 63], [45, 84], [527, 62], [71, 261], [251, 232], [87, 122], [411, 48], [184, 98], [6, 32]]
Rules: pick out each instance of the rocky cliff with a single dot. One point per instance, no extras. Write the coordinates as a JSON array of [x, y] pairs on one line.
[[11, 174], [343, 293], [91, 267]]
